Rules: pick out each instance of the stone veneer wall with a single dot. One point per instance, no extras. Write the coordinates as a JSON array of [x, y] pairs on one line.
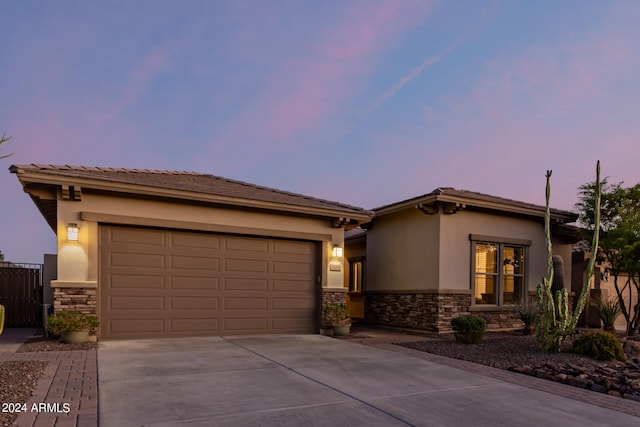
[[429, 311], [332, 295], [432, 311], [84, 300]]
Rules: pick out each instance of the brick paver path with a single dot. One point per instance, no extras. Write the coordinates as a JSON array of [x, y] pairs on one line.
[[70, 377]]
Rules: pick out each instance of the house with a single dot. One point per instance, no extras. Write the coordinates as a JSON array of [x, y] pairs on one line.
[[449, 253], [164, 253]]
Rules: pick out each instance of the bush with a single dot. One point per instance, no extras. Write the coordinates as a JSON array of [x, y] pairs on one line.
[[468, 329], [608, 311], [69, 321], [336, 314], [528, 313], [599, 345]]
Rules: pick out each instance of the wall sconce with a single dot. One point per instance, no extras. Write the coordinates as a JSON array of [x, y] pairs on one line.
[[606, 274], [337, 251], [72, 232]]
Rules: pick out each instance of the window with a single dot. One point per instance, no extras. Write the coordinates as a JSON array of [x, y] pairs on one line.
[[498, 272], [356, 274]]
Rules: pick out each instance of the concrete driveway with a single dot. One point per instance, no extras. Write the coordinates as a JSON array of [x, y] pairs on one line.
[[311, 380]]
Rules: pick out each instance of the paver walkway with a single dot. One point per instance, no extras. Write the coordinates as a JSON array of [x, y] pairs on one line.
[[69, 377]]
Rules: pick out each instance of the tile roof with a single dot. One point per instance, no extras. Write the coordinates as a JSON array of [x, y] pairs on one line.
[[190, 182], [472, 198]]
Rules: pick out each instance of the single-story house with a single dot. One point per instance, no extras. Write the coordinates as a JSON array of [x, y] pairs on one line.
[[422, 261], [163, 253]]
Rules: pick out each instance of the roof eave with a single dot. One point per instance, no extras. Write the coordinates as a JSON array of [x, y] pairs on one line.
[[539, 212], [30, 177]]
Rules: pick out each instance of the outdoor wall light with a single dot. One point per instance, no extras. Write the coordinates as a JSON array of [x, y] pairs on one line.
[[606, 274], [72, 232], [337, 251]]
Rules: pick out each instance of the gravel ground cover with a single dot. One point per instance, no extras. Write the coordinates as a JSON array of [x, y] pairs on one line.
[[17, 380]]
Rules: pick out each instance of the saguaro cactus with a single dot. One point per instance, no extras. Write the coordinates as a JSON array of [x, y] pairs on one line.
[[556, 321]]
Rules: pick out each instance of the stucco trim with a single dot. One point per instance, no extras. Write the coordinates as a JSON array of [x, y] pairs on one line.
[[199, 226], [338, 290], [74, 284], [495, 239], [422, 291]]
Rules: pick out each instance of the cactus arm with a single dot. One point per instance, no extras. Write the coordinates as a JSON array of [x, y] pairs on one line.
[[594, 247]]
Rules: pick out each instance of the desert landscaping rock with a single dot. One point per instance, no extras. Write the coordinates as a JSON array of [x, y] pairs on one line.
[[17, 381]]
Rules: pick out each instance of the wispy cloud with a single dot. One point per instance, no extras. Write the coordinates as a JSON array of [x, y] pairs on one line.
[[307, 89], [407, 78]]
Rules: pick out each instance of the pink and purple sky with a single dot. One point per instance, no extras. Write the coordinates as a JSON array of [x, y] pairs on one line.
[[363, 102]]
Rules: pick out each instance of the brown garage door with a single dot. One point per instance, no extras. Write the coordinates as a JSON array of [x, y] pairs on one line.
[[162, 283]]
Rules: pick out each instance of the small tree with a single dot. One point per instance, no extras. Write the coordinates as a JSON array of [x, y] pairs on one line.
[[556, 321], [4, 139], [620, 242]]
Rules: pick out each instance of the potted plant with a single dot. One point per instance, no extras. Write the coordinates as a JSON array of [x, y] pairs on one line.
[[337, 314], [72, 326]]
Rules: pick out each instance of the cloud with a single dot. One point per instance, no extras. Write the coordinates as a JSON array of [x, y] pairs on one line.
[[307, 89]]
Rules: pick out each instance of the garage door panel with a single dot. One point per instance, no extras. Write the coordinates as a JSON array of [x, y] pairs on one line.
[[135, 281], [140, 327], [246, 325], [138, 236], [198, 325], [195, 263], [203, 284], [299, 249], [246, 265], [303, 286], [136, 303], [245, 303], [141, 261], [193, 240], [292, 268], [246, 284], [301, 305], [240, 244], [190, 303]]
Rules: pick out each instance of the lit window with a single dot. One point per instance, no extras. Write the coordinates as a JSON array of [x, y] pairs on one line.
[[356, 276], [498, 277]]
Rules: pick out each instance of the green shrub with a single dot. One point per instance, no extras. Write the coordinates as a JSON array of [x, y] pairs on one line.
[[608, 311], [468, 329], [528, 313], [69, 321], [336, 314], [599, 345]]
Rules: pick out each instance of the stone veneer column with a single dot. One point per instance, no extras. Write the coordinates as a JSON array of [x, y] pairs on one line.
[[332, 295], [84, 300]]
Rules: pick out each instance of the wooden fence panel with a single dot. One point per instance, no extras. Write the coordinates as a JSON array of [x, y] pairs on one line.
[[21, 294]]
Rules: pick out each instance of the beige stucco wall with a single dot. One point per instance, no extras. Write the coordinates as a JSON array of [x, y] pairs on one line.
[[410, 250], [78, 261], [402, 252]]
